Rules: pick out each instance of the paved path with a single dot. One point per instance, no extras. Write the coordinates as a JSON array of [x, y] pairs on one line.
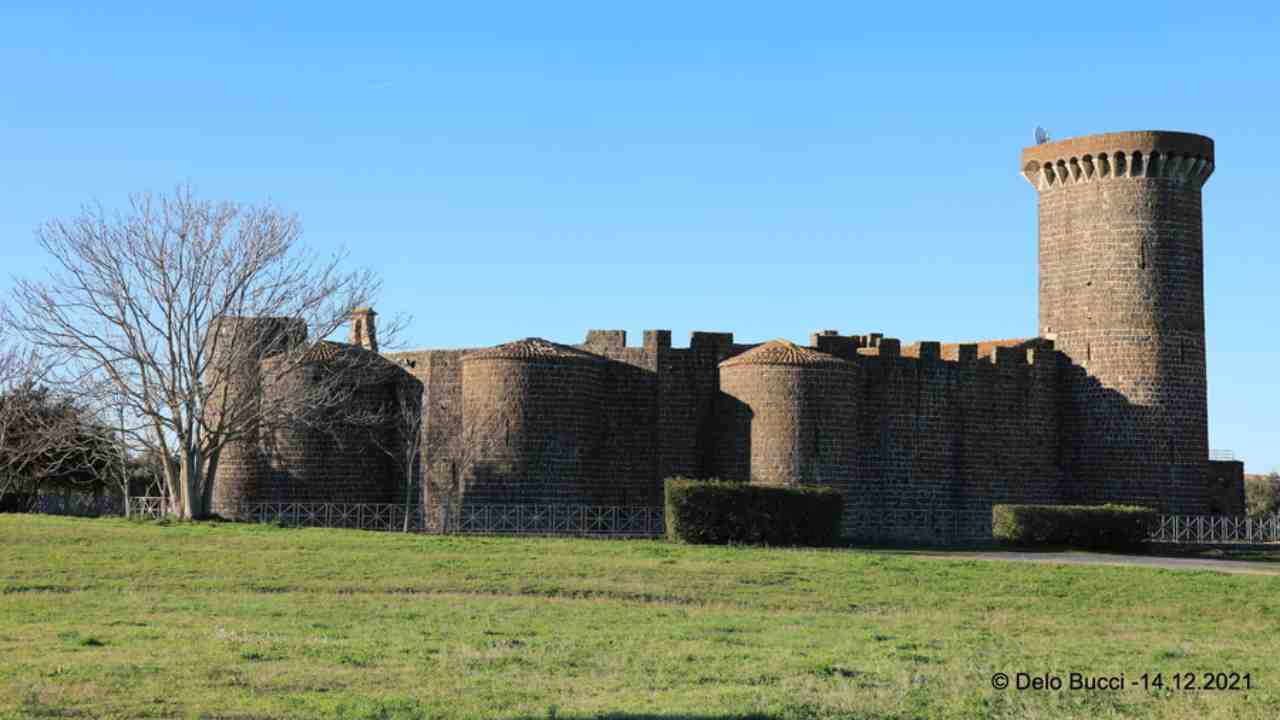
[[1086, 558]]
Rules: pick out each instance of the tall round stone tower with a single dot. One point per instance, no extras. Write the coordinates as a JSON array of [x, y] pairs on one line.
[[1122, 296]]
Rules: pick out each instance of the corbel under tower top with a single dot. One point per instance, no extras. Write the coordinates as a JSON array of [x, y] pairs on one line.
[[1178, 156]]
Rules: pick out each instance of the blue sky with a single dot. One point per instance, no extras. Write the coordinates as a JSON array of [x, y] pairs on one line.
[[768, 169]]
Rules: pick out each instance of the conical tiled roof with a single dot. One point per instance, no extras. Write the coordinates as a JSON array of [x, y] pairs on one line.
[[534, 349], [785, 352], [364, 365], [328, 351]]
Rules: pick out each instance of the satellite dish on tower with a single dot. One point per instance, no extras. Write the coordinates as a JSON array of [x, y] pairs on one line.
[[1042, 137]]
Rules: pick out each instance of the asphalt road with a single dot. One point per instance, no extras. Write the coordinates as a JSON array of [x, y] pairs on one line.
[[1245, 567]]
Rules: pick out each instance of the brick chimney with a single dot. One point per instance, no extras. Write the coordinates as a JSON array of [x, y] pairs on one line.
[[363, 331]]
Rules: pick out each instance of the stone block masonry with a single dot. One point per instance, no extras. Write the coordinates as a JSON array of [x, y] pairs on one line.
[[1122, 295], [1105, 403]]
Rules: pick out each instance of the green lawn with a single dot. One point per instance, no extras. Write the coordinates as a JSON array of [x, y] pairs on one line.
[[110, 618]]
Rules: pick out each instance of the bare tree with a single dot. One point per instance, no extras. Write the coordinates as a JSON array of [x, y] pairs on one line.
[[153, 302], [44, 435]]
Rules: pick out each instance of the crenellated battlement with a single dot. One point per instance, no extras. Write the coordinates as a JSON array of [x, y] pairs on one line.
[[606, 341], [866, 347]]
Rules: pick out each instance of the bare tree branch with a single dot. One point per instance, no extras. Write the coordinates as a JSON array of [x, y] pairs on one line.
[[45, 436]]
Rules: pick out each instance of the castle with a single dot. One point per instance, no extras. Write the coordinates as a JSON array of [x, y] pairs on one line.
[[1107, 403]]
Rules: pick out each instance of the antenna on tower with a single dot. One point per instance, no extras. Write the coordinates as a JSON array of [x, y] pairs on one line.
[[1042, 137]]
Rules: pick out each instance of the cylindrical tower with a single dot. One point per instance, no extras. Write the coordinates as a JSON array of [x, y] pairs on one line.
[[1122, 296], [338, 456], [343, 448], [236, 346], [530, 424], [791, 413]]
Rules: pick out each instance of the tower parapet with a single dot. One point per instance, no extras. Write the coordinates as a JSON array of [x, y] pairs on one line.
[[1155, 154], [1121, 257]]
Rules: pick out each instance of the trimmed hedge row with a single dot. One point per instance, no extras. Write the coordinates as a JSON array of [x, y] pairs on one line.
[[1094, 527], [719, 512]]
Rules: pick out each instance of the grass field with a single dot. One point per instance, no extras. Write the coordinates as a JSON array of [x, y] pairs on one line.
[[110, 618]]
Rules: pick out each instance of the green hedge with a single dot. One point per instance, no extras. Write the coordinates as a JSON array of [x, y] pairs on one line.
[[719, 512], [1094, 527]]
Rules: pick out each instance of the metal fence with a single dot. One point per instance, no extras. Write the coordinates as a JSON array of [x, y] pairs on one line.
[[913, 526], [356, 516], [79, 505], [513, 519], [612, 521], [1216, 530], [150, 507]]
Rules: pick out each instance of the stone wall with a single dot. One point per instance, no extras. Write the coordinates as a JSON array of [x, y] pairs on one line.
[[1226, 487], [655, 415], [439, 373], [924, 427], [956, 434], [629, 419]]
